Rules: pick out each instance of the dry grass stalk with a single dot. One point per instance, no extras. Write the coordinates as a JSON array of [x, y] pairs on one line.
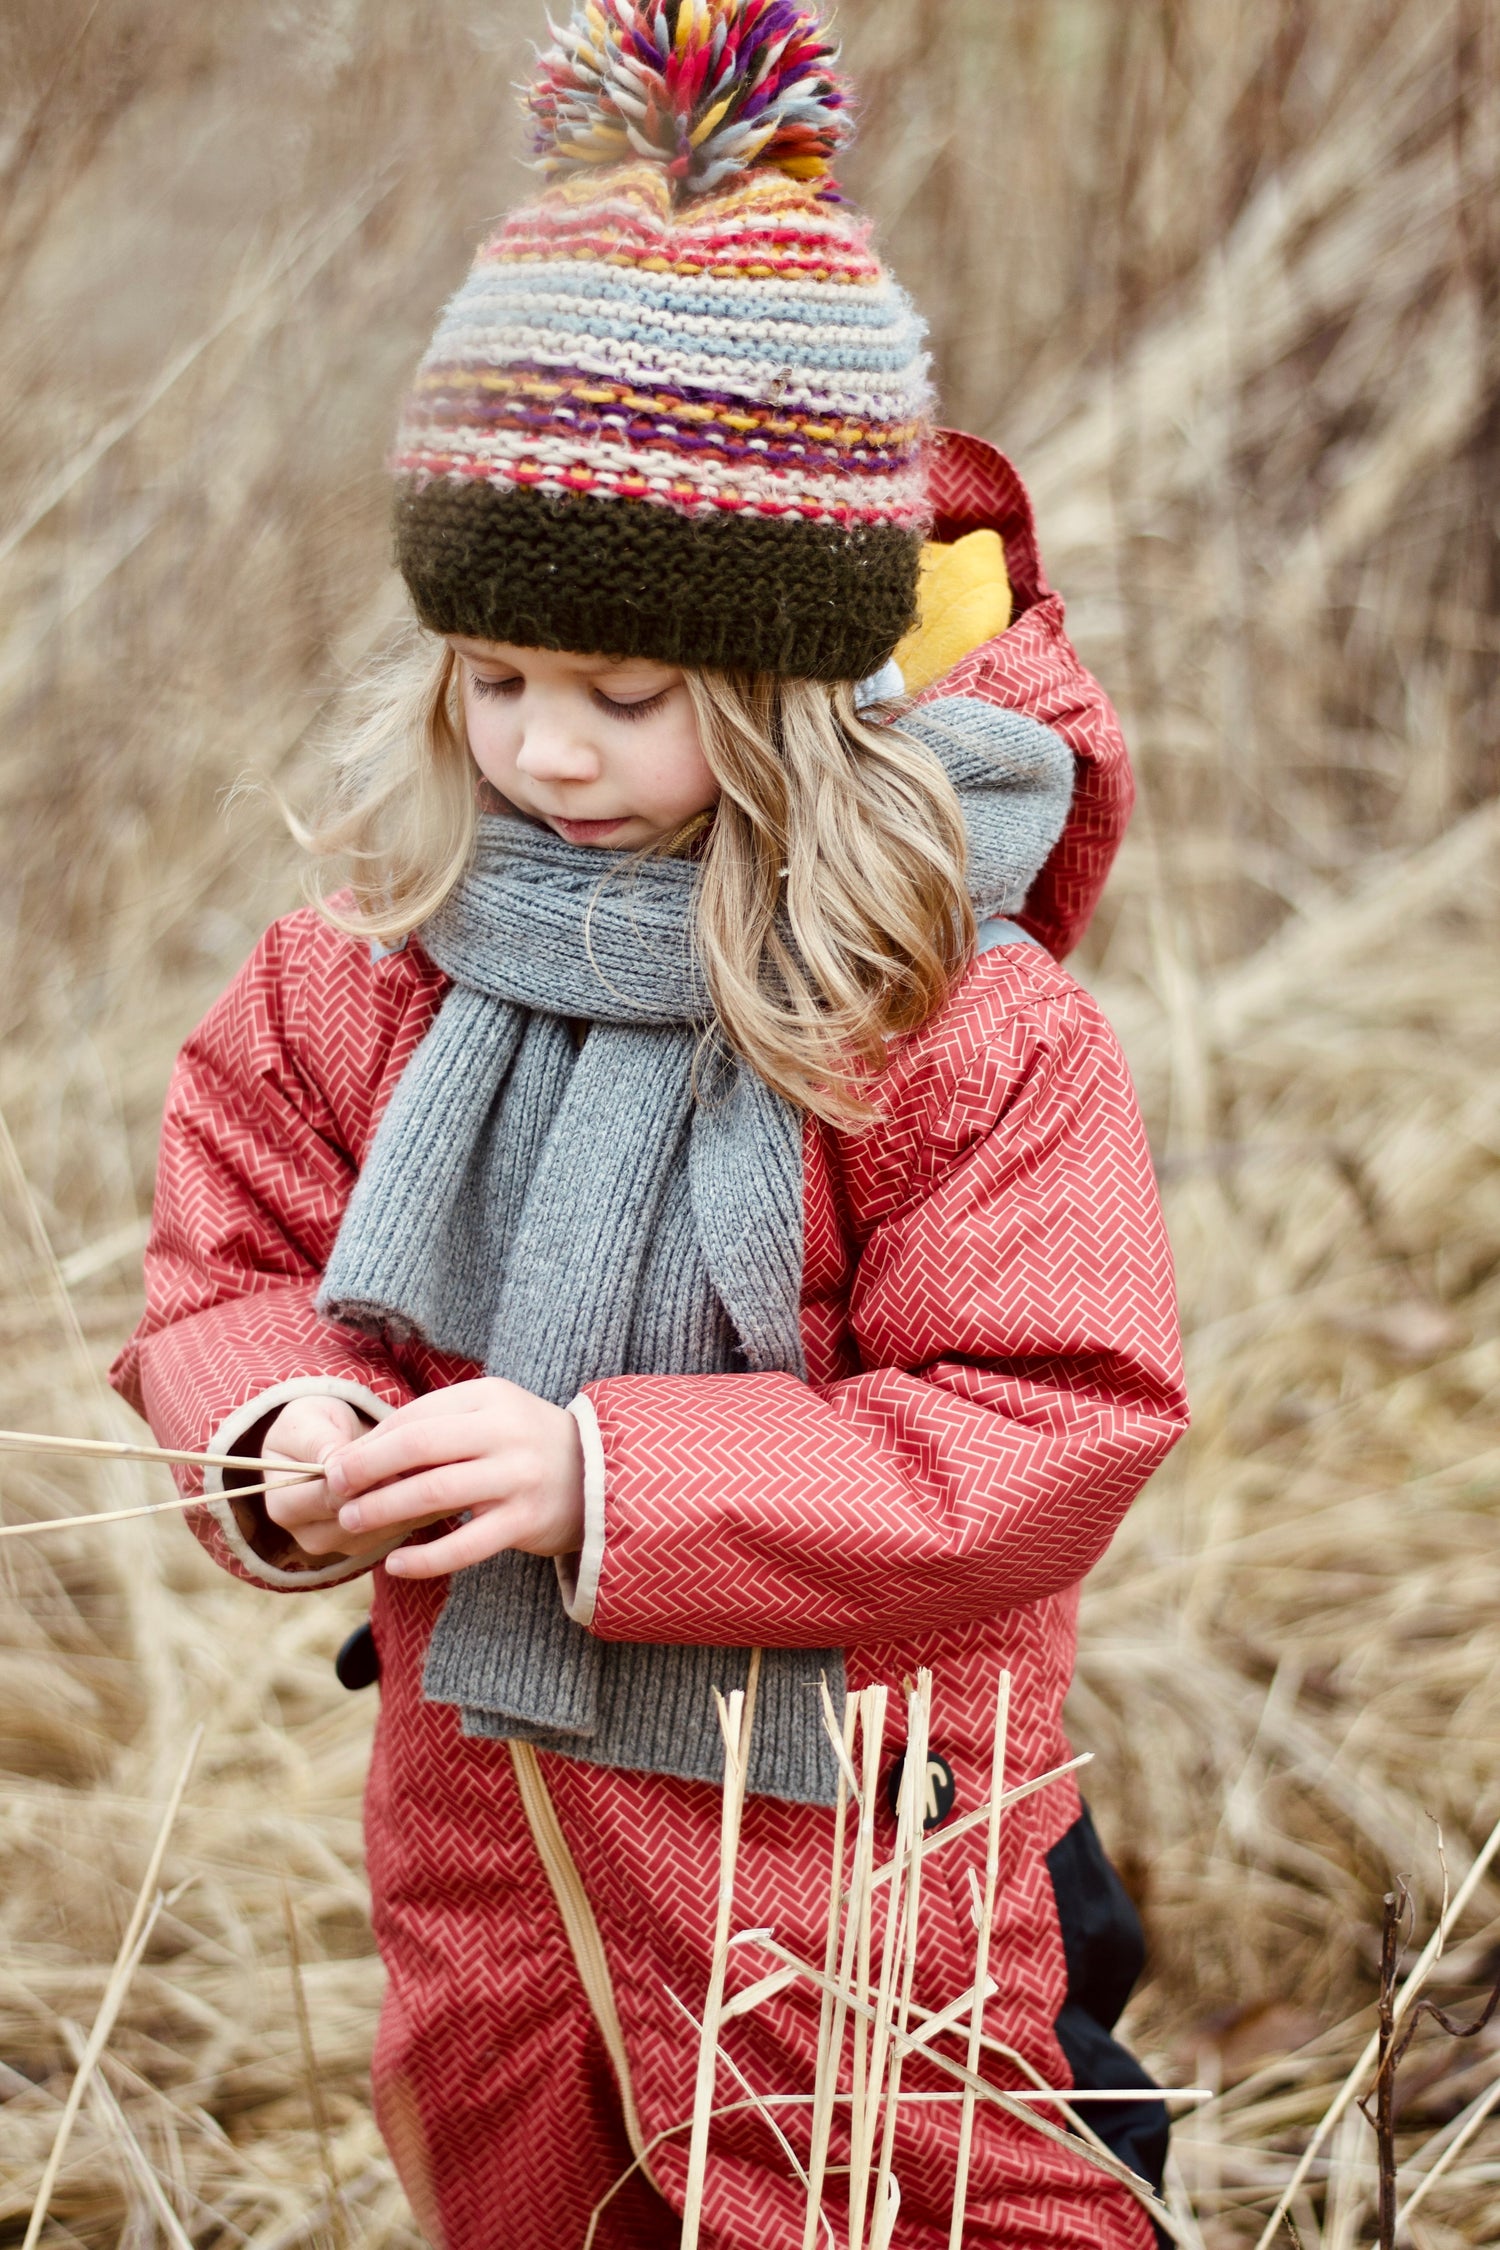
[[117, 2128], [118, 1449], [765, 2106], [830, 2010], [317, 2107], [982, 1953], [897, 1909], [886, 2194], [144, 1913], [874, 1702], [1463, 2130], [736, 1719], [1016, 2104], [179, 1506], [954, 1831]]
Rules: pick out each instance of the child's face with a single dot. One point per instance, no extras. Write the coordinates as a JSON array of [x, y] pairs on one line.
[[604, 750]]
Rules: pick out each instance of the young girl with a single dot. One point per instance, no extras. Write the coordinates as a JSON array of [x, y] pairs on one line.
[[673, 1207]]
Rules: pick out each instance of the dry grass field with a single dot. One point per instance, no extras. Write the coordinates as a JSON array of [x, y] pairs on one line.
[[1224, 277]]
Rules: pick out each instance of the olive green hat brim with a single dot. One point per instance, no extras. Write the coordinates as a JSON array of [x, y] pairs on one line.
[[711, 592]]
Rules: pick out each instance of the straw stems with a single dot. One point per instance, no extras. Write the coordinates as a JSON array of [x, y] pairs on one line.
[[862, 2149], [953, 1830], [179, 1506], [982, 1958], [858, 1936], [120, 1449], [914, 1789], [736, 1720], [317, 2107], [1468, 2124], [132, 1945], [1015, 2102], [116, 2127], [831, 2034]]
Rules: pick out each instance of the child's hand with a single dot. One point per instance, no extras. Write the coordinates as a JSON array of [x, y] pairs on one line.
[[308, 1430], [508, 1459]]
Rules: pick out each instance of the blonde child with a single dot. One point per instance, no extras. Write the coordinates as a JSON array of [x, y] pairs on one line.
[[675, 1208]]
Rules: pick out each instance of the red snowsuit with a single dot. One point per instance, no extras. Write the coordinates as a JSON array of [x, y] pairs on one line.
[[993, 1371]]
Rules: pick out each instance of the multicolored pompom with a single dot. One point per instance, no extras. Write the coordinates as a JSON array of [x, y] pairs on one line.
[[705, 88]]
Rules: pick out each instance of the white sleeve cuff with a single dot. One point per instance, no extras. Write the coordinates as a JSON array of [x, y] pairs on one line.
[[224, 1440], [578, 1575]]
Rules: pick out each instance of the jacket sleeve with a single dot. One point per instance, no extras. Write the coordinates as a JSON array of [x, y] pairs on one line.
[[255, 1169], [1014, 1322]]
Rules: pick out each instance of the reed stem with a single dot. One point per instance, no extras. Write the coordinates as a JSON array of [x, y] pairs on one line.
[[830, 2040], [179, 1506], [120, 1449], [873, 1706], [982, 1957], [736, 1719], [918, 1738]]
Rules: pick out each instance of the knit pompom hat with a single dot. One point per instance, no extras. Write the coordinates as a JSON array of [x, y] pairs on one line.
[[678, 409]]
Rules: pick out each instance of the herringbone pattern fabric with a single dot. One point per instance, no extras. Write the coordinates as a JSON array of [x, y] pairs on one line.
[[488, 2063], [990, 1337], [1006, 1295]]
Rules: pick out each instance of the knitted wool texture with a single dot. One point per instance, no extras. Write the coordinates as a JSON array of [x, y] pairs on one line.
[[678, 409], [562, 1216]]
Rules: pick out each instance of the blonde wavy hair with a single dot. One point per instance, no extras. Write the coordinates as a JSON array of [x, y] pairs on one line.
[[832, 910]]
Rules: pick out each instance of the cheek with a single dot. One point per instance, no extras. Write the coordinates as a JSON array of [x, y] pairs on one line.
[[494, 738], [683, 780]]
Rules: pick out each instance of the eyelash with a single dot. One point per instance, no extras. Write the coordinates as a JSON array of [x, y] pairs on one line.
[[630, 712]]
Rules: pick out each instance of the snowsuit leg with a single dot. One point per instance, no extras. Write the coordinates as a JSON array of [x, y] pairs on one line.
[[493, 2086], [493, 2089]]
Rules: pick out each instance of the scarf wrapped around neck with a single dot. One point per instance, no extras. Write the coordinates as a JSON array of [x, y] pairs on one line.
[[561, 1213]]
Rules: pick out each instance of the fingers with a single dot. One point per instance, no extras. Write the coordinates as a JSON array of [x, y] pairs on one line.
[[295, 1506], [401, 1447], [301, 1434], [472, 1542], [431, 1494], [310, 1427]]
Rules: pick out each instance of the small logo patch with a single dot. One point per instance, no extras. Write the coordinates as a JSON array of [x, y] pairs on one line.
[[942, 1790]]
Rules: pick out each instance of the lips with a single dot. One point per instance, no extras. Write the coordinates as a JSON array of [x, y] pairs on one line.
[[588, 831]]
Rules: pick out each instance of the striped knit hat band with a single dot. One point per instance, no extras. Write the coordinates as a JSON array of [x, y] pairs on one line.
[[678, 409]]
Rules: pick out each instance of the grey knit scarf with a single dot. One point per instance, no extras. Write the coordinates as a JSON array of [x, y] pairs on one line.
[[561, 1214]]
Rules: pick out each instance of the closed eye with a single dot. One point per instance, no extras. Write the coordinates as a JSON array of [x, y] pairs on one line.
[[482, 686], [630, 710]]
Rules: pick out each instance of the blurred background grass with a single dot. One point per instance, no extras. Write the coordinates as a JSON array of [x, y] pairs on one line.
[[1223, 276]]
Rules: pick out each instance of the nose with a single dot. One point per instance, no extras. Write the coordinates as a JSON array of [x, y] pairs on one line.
[[551, 752]]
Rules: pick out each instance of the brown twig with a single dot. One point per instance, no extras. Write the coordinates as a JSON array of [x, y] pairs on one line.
[[1384, 2120], [1392, 2051]]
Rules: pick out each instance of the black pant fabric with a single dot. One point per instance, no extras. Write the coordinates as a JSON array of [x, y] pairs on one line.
[[1105, 1951]]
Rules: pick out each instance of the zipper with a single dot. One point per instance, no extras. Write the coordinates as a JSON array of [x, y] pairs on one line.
[[583, 1930]]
